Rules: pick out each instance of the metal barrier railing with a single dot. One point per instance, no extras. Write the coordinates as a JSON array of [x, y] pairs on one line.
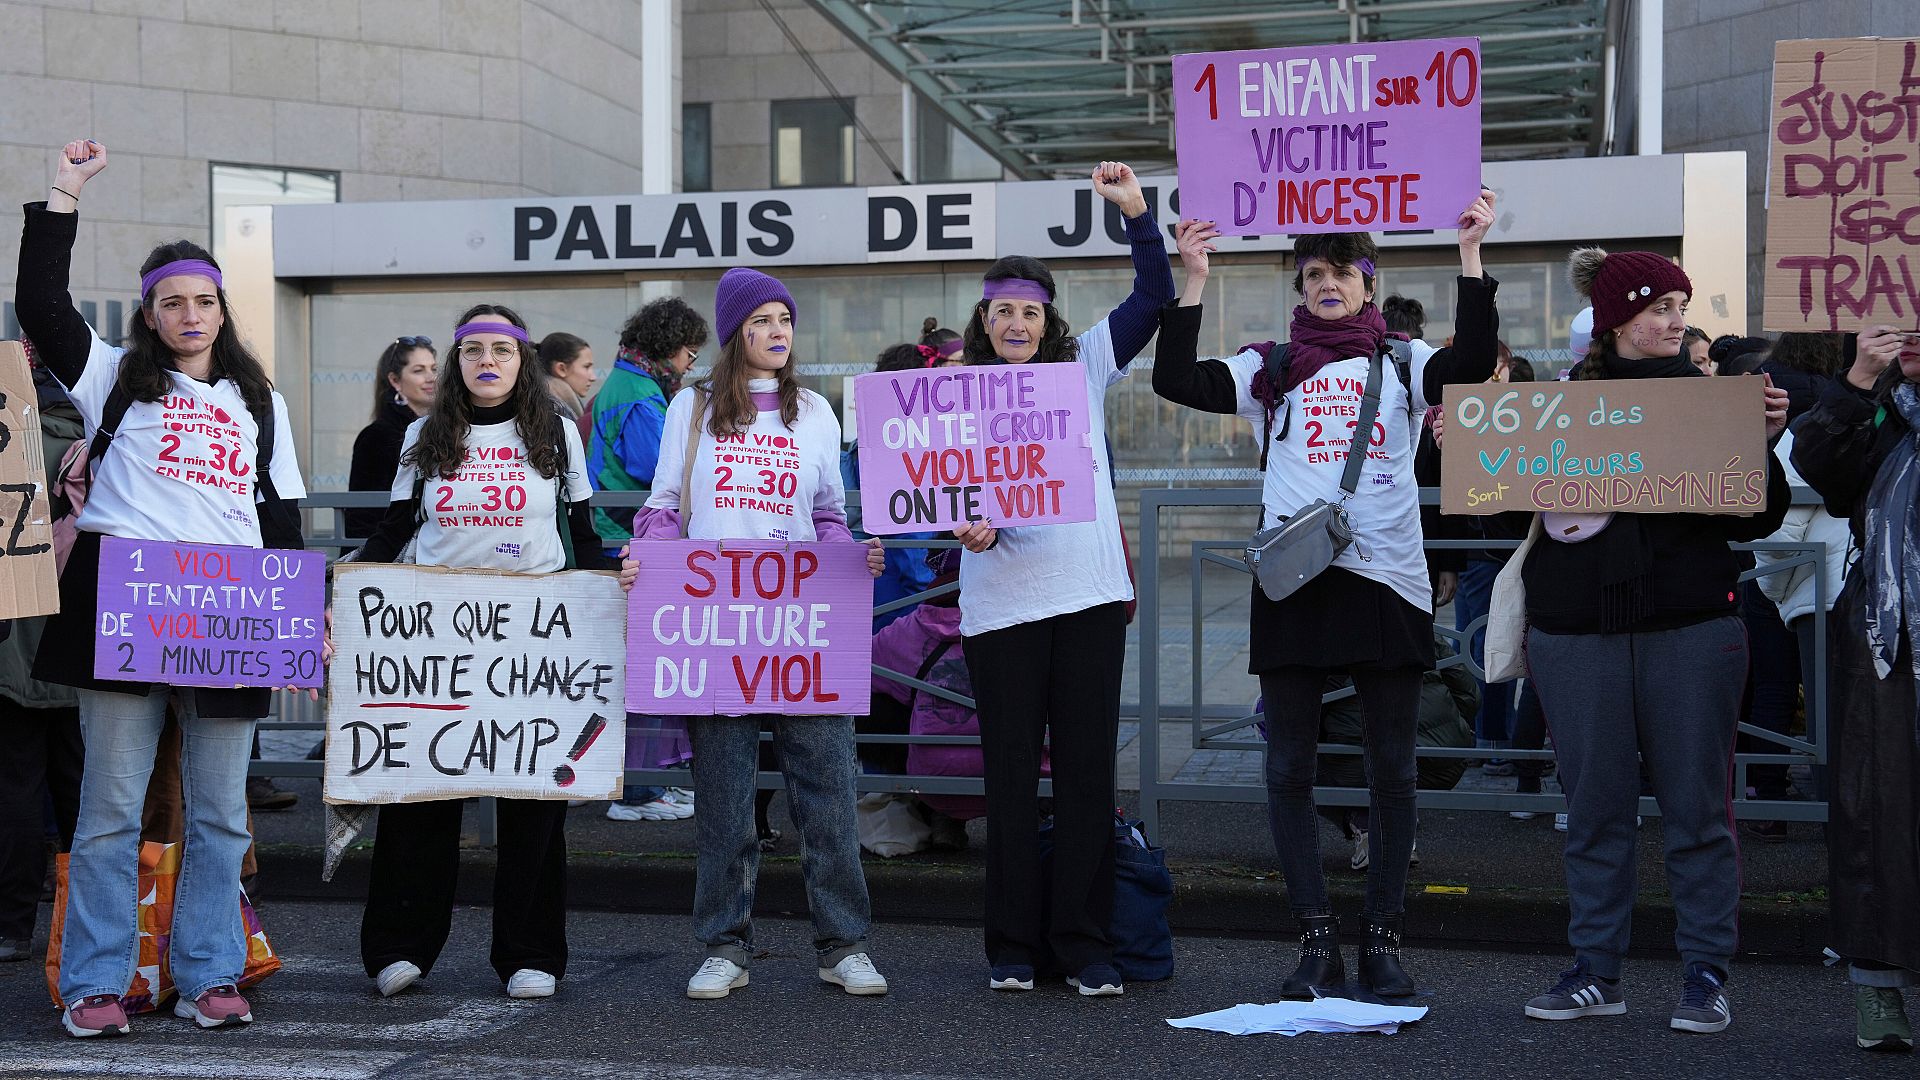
[[1210, 724]]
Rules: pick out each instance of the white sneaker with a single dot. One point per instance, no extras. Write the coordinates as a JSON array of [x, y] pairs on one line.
[[1523, 815], [1413, 856], [660, 809], [1360, 856], [1559, 823], [396, 977], [679, 795], [717, 977], [856, 974], [528, 983]]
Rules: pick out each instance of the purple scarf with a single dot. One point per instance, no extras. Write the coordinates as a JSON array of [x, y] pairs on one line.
[[1317, 342]]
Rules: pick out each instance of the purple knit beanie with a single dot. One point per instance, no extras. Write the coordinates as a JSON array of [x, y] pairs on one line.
[[741, 291]]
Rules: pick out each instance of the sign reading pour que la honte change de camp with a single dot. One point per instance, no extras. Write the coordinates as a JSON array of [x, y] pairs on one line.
[[1337, 138]]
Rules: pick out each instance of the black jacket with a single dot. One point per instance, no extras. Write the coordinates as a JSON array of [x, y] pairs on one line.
[[1840, 444], [376, 458]]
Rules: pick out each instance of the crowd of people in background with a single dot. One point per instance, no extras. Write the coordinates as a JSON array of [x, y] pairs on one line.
[[1642, 646]]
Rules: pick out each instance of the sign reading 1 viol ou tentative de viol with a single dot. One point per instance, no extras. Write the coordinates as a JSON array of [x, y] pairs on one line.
[[209, 614], [1337, 138]]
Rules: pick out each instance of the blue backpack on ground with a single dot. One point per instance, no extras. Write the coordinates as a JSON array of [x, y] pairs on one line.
[[1142, 889]]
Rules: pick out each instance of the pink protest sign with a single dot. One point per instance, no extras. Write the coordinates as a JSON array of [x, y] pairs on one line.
[[1331, 138], [209, 614], [736, 627], [1007, 444]]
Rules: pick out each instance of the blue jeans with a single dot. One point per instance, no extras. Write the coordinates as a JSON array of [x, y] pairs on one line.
[[208, 945], [816, 753], [1493, 725]]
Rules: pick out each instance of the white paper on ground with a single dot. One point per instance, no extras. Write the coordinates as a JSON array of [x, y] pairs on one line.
[[1329, 1015]]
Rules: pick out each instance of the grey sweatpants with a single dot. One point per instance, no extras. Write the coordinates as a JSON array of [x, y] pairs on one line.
[[1672, 698]]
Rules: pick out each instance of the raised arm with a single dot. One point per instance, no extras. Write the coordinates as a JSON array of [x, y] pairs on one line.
[[47, 315], [1476, 322], [1133, 323], [1179, 375]]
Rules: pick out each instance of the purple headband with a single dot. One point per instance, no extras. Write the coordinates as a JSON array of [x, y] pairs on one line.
[[510, 330], [158, 274], [949, 350], [1015, 289]]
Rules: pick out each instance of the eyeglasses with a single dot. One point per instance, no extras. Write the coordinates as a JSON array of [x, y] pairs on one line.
[[693, 356], [414, 342], [474, 351]]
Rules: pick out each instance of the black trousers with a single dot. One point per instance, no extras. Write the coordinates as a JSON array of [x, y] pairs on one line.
[[1054, 683], [416, 858], [42, 758]]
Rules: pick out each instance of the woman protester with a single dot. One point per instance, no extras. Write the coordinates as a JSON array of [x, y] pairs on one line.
[[754, 392], [1369, 614], [492, 424], [404, 382], [1859, 447], [1043, 618], [1636, 647], [184, 388], [567, 362]]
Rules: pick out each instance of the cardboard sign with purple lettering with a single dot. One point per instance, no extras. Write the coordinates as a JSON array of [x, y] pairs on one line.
[[1008, 444], [737, 627], [209, 614], [1379, 136]]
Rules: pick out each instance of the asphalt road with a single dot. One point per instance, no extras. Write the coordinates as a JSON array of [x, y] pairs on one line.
[[620, 1012]]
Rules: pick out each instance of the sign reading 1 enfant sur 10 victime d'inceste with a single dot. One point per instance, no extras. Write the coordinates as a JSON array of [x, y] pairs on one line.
[[1379, 136]]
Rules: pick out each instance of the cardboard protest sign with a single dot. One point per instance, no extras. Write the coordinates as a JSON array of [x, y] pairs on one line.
[[209, 614], [1843, 187], [29, 581], [1652, 446], [737, 627], [1383, 135], [1008, 444], [450, 683]]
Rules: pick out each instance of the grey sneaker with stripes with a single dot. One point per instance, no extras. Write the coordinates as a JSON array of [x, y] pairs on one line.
[[1579, 993]]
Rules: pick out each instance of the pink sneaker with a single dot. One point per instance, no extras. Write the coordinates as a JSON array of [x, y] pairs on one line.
[[100, 1014], [218, 1006]]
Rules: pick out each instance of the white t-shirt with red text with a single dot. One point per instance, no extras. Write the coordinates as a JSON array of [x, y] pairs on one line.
[[764, 483], [497, 512], [180, 469], [1309, 462]]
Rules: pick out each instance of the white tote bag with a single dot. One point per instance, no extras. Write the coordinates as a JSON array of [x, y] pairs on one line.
[[1506, 645]]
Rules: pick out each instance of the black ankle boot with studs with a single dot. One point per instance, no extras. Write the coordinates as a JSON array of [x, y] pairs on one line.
[[1320, 963], [1380, 969]]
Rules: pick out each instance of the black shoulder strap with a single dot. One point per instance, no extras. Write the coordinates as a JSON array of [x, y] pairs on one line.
[[1402, 351], [1363, 427], [264, 432], [118, 402], [926, 668], [1276, 366]]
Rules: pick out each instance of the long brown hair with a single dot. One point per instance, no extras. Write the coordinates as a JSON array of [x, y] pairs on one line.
[[443, 438], [730, 409], [145, 370]]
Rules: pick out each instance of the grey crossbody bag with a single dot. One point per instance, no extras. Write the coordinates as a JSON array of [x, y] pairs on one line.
[[1295, 551]]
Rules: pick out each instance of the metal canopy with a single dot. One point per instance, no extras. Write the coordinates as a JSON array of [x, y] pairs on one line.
[[1047, 86]]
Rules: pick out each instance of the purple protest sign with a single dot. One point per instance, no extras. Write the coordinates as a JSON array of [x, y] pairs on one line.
[[209, 615], [1329, 138], [736, 627], [1007, 444]]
